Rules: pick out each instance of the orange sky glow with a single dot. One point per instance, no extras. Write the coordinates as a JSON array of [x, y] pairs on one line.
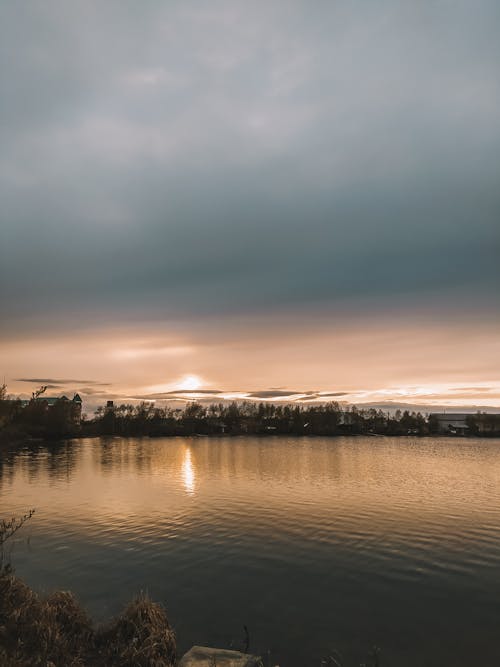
[[360, 361]]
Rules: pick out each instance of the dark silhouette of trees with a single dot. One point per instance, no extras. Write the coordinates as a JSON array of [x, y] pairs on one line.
[[53, 418], [252, 418], [39, 417]]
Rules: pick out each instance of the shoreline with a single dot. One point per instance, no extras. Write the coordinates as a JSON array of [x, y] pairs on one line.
[[29, 440], [233, 436]]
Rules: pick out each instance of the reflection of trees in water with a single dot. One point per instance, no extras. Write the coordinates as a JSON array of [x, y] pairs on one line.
[[281, 460], [6, 470], [104, 455], [143, 456], [57, 460], [33, 462], [113, 455], [61, 460], [294, 461], [191, 460]]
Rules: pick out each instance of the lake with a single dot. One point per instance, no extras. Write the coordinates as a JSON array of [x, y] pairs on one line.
[[313, 543]]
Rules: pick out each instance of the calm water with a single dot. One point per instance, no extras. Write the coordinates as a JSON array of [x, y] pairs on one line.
[[312, 543]]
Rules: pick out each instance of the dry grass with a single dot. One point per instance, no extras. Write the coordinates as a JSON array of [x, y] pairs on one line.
[[141, 635], [55, 632]]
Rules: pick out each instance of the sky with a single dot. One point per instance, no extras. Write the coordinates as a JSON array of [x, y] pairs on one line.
[[272, 200]]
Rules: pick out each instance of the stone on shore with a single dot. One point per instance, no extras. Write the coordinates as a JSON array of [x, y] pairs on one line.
[[202, 656]]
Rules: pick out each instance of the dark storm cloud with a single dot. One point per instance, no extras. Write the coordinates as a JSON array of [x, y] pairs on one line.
[[184, 159]]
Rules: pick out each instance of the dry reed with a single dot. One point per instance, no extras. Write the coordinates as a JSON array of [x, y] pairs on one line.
[[54, 631]]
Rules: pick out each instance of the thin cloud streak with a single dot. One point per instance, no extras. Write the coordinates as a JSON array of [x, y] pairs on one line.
[[60, 381]]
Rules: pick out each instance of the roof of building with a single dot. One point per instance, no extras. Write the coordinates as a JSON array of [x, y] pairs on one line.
[[51, 400], [452, 416]]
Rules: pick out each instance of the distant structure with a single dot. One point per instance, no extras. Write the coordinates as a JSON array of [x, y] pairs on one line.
[[69, 410], [466, 423], [76, 409], [453, 424], [487, 424], [72, 409]]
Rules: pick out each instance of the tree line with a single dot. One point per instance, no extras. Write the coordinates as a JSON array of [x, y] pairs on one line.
[[247, 417], [34, 419]]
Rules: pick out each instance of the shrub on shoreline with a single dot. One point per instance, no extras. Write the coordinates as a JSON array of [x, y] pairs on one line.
[[54, 631]]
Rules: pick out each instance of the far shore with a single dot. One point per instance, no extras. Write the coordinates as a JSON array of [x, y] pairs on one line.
[[26, 440], [45, 418]]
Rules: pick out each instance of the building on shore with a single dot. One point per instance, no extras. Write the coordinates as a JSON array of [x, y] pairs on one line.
[[67, 411], [465, 423], [452, 424]]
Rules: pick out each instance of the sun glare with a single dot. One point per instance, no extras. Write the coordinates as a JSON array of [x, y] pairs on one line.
[[189, 383]]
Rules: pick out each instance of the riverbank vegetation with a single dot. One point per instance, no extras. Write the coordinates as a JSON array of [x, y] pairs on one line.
[[38, 631], [54, 630]]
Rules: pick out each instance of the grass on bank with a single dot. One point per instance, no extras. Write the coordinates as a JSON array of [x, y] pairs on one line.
[[54, 631]]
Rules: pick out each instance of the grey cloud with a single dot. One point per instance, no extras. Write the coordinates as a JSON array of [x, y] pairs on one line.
[[166, 395], [322, 396], [92, 391], [193, 161], [270, 393], [58, 382], [308, 395]]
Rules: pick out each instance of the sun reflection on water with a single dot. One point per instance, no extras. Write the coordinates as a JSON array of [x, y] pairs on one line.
[[188, 476]]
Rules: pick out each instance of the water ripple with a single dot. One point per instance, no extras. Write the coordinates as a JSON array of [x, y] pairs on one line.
[[334, 541]]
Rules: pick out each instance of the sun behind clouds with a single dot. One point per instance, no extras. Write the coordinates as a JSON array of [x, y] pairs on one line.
[[189, 383]]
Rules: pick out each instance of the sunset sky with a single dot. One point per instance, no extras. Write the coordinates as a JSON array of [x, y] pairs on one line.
[[274, 200]]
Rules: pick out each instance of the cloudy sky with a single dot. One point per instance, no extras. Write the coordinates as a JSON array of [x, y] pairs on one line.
[[267, 199]]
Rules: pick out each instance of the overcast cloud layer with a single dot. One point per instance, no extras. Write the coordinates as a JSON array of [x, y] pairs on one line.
[[183, 162]]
